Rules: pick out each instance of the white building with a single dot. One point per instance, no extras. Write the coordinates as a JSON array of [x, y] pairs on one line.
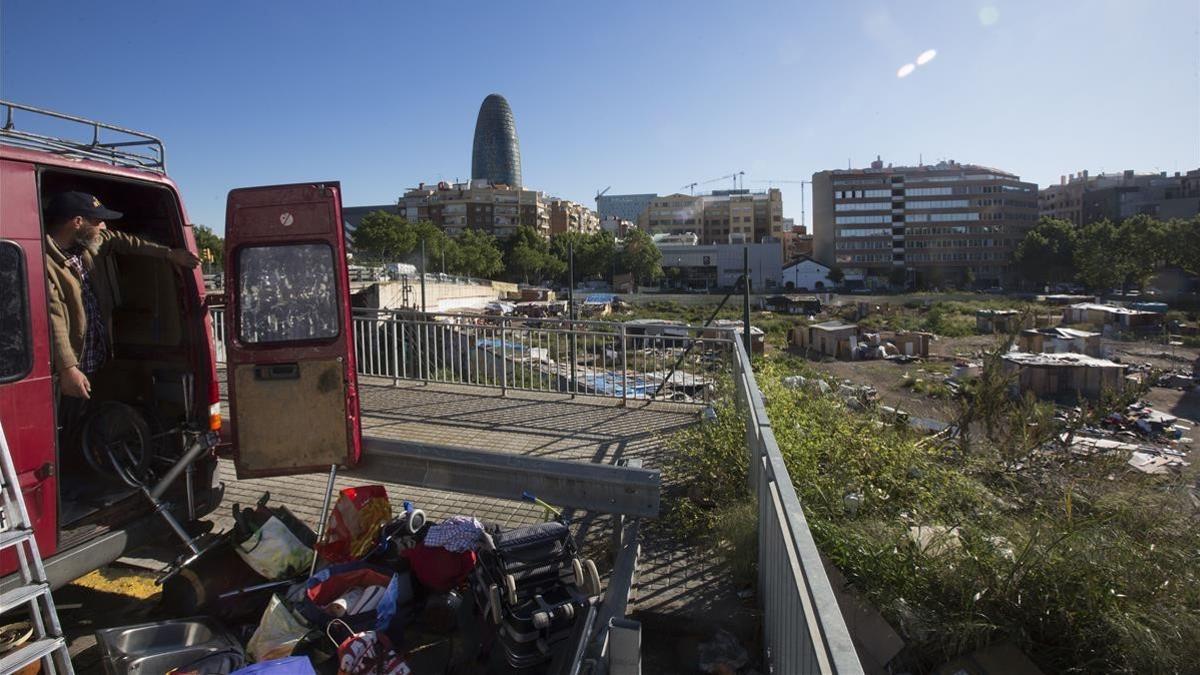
[[806, 274]]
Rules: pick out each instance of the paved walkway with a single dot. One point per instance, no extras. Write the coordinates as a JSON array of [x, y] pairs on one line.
[[676, 581]]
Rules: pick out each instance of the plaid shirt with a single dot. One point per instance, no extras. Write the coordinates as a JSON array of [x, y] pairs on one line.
[[95, 337]]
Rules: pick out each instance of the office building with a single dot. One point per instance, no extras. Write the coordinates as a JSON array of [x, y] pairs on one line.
[[617, 227], [713, 266], [496, 154], [1084, 198], [921, 225], [625, 207]]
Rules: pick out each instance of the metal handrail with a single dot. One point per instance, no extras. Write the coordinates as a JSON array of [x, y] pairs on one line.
[[115, 152], [803, 627]]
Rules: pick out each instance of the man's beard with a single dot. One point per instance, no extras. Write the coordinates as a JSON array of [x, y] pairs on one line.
[[90, 241]]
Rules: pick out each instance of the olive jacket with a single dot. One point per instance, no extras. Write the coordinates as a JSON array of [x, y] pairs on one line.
[[67, 319]]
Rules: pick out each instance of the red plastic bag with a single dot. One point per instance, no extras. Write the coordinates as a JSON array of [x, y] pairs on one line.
[[437, 568], [353, 524]]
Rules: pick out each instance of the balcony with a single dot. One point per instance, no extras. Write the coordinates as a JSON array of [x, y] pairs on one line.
[[460, 412]]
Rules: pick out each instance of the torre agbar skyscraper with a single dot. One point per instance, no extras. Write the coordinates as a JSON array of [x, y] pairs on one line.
[[496, 156]]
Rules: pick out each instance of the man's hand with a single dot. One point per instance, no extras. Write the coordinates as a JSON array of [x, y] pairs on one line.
[[75, 383], [183, 258]]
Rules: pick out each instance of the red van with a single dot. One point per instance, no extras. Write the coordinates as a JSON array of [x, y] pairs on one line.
[[155, 409]]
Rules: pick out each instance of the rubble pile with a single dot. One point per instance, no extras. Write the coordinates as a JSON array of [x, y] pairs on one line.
[[1156, 441]]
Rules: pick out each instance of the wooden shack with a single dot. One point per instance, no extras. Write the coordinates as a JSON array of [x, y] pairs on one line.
[[831, 338], [988, 321], [1059, 340], [1064, 375], [909, 343], [1096, 314]]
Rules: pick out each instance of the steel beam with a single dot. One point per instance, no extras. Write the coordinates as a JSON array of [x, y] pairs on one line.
[[601, 488]]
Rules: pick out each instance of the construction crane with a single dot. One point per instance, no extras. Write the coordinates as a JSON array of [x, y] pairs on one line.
[[600, 193], [691, 187], [770, 183]]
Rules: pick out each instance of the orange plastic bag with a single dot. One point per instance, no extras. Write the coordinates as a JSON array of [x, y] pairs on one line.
[[353, 525]]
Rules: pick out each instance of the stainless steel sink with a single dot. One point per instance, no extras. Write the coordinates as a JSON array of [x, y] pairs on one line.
[[153, 648]]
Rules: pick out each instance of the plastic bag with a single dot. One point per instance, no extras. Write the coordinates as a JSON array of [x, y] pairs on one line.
[[331, 583], [353, 526], [277, 633], [274, 552]]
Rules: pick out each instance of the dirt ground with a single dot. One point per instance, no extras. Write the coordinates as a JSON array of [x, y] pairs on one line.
[[887, 376]]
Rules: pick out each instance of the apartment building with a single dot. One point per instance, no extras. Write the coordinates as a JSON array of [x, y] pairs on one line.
[[569, 216], [1083, 197], [721, 217], [930, 224], [674, 214], [480, 205], [743, 216]]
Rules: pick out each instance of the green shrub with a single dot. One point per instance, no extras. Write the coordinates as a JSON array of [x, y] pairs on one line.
[[1085, 566]]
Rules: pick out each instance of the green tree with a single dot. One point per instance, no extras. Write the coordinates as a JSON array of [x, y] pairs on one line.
[[383, 236], [836, 275], [1145, 245], [595, 253], [640, 257], [527, 257], [1099, 261], [207, 240], [1184, 236], [1047, 253], [478, 255]]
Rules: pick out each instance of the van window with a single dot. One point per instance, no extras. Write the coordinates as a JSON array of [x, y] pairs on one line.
[[16, 350], [286, 293]]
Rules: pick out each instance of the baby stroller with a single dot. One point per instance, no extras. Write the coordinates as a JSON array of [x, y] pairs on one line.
[[532, 584]]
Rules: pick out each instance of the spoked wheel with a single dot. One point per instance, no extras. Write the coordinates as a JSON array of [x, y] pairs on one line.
[[116, 441]]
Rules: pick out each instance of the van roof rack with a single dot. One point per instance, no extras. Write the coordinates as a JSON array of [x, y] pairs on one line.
[[126, 147]]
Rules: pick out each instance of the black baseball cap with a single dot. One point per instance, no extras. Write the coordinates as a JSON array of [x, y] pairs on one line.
[[71, 204]]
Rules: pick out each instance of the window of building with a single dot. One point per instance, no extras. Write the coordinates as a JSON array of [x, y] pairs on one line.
[[287, 293], [16, 347], [862, 220], [861, 206], [940, 204]]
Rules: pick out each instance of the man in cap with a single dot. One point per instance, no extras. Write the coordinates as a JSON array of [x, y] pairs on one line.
[[82, 289]]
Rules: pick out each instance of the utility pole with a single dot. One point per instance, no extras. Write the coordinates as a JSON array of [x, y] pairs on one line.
[[422, 276]]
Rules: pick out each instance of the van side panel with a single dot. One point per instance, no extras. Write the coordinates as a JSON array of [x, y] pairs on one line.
[[27, 406]]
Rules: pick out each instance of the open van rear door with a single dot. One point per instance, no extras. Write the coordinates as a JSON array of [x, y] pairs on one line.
[[293, 394]]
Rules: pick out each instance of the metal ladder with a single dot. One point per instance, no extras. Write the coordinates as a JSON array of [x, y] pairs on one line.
[[16, 533]]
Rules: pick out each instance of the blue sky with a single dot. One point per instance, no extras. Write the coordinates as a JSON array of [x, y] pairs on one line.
[[639, 96]]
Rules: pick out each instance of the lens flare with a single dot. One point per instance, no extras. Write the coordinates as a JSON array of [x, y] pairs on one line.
[[926, 56], [988, 15], [905, 70]]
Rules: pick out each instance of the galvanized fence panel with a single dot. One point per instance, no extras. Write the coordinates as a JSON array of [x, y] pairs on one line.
[[803, 627]]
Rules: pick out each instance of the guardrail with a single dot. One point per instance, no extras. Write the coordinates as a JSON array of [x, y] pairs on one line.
[[803, 628], [552, 354]]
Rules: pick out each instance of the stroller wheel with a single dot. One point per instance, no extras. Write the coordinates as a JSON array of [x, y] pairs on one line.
[[510, 584], [494, 604], [577, 568], [594, 587]]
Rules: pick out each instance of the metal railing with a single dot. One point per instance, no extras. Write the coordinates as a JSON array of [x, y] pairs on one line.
[[803, 628], [581, 357]]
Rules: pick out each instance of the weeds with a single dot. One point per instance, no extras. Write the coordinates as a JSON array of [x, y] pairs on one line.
[[1086, 567]]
